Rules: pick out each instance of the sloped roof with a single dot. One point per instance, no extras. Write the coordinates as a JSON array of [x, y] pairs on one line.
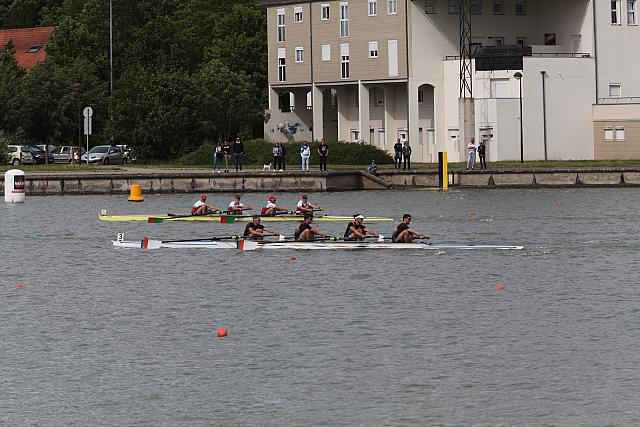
[[29, 44], [269, 3]]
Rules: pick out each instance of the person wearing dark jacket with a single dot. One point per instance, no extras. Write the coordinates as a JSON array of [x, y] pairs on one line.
[[397, 158], [482, 153], [238, 152]]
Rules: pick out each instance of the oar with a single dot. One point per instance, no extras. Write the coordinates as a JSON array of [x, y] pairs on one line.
[[230, 219], [159, 219], [155, 244]]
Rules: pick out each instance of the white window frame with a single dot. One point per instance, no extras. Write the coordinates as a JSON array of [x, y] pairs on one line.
[[619, 134], [281, 26], [392, 7], [615, 13], [608, 134], [373, 7], [324, 11], [282, 65], [299, 54], [297, 14], [475, 7], [498, 7], [453, 7], [345, 72], [632, 12], [615, 87], [373, 49], [344, 19], [326, 52], [430, 7], [523, 8]]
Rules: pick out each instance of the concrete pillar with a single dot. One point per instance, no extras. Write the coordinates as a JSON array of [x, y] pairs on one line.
[[363, 111], [390, 131], [317, 102], [467, 120], [413, 125], [273, 98], [343, 106]]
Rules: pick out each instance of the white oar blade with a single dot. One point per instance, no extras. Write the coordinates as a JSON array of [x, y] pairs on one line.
[[247, 245], [151, 244]]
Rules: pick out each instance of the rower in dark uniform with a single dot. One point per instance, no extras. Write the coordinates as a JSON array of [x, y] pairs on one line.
[[356, 230], [404, 233], [305, 232], [255, 230]]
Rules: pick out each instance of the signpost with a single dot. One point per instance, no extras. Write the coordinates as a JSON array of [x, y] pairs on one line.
[[87, 113]]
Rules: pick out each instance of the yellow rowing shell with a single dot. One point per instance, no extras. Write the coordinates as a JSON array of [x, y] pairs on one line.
[[279, 218]]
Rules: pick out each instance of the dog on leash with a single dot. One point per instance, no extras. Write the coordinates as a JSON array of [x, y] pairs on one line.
[[266, 167]]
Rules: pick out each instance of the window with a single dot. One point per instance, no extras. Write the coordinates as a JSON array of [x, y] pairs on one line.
[[430, 6], [615, 12], [454, 7], [34, 49], [309, 101], [373, 49], [392, 7], [521, 42], [326, 52], [344, 61], [282, 71], [420, 96], [373, 7], [392, 49], [499, 88], [550, 39], [324, 12], [281, 35], [297, 14], [475, 7], [344, 19], [378, 97], [615, 90], [608, 134], [498, 41], [498, 7], [299, 54], [355, 135], [632, 18], [619, 134], [521, 7]]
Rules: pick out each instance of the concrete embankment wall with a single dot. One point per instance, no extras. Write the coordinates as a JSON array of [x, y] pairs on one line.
[[119, 182]]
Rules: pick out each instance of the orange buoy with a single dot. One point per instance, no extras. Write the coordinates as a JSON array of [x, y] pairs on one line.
[[135, 193], [500, 288], [222, 331]]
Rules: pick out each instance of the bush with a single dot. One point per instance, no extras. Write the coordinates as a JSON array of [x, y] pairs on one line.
[[259, 152]]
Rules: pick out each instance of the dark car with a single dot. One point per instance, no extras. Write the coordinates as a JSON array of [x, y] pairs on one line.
[[38, 156]]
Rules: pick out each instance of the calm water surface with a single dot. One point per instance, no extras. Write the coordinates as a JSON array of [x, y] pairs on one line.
[[105, 336]]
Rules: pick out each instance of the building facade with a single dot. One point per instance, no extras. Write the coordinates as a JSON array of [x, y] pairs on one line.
[[372, 71]]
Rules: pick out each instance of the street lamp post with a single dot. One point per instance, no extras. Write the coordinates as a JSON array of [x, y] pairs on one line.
[[518, 76]]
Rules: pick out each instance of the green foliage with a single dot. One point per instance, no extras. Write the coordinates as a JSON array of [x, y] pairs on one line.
[[259, 152]]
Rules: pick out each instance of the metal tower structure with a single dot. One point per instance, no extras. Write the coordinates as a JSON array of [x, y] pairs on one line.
[[466, 79]]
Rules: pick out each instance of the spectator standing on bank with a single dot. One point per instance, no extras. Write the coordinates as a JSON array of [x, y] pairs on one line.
[[283, 157], [471, 153], [217, 158], [397, 158], [323, 151], [226, 151], [276, 156], [305, 153], [76, 155], [482, 153], [238, 152], [406, 154]]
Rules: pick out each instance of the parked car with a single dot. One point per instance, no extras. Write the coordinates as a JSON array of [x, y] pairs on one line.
[[19, 155], [64, 154], [105, 154], [44, 147], [40, 156]]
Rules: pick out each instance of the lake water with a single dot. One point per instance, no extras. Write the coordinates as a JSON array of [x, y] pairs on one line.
[[95, 335]]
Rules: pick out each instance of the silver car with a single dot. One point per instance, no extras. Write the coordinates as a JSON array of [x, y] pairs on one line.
[[106, 155], [64, 154]]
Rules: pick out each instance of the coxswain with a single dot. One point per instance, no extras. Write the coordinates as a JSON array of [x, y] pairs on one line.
[[305, 232], [404, 233], [236, 207], [304, 207], [271, 208], [357, 231], [255, 230], [201, 208]]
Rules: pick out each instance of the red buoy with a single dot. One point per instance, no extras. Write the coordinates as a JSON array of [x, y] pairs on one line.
[[222, 331], [19, 286], [500, 288], [292, 258]]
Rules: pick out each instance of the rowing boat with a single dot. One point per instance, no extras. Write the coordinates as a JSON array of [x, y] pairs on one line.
[[220, 218], [249, 245]]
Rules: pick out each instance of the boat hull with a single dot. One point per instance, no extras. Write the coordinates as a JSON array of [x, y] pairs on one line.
[[218, 218]]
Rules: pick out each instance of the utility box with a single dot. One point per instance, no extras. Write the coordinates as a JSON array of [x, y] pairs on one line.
[[14, 186]]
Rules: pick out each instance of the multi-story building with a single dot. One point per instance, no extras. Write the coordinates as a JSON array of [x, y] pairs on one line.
[[372, 71]]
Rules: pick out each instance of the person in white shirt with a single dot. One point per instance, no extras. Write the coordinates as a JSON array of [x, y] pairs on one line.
[[304, 207], [237, 207], [201, 208], [271, 208], [472, 147], [305, 153]]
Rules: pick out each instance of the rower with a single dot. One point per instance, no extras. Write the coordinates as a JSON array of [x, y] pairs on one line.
[[357, 231], [255, 230], [271, 208], [236, 207], [305, 232], [406, 234], [304, 207], [201, 208]]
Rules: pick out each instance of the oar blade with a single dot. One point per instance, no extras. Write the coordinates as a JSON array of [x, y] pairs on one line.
[[247, 245], [227, 219], [151, 243], [155, 220]]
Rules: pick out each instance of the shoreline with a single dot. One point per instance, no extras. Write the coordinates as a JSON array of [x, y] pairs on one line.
[[202, 180]]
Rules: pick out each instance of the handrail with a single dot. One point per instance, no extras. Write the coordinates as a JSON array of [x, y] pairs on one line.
[[619, 100]]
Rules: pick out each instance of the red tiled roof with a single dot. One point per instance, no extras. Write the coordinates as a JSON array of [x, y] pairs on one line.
[[25, 38]]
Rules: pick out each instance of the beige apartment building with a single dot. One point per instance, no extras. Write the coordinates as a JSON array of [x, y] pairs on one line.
[[372, 71]]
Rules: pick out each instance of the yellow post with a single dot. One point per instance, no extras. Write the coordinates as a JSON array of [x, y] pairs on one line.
[[135, 193], [443, 172]]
